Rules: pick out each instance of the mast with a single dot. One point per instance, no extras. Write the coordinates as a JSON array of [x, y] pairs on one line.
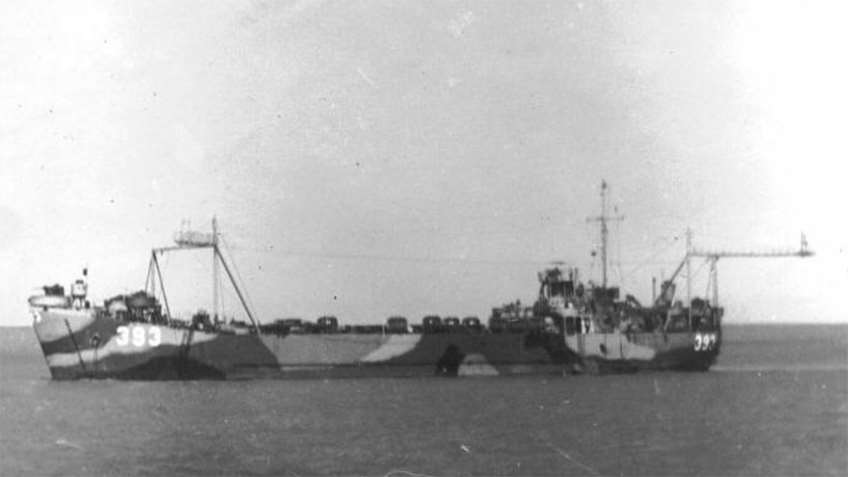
[[689, 275], [188, 240], [604, 231], [154, 271], [603, 219], [161, 285], [215, 270]]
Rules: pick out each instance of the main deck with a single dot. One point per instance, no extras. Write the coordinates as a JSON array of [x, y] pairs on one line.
[[90, 344]]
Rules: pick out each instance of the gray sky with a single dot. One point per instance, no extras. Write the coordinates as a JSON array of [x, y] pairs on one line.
[[376, 158]]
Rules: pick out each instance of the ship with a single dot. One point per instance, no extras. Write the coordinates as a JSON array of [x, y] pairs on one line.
[[574, 327]]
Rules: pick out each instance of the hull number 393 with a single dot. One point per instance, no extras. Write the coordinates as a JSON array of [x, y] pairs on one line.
[[139, 336], [705, 341]]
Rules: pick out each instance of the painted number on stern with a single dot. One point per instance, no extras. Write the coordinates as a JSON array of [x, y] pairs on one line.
[[139, 336], [705, 341]]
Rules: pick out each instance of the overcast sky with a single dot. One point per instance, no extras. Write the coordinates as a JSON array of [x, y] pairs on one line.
[[375, 158]]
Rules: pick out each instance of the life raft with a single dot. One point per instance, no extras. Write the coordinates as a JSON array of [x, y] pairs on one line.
[[50, 301]]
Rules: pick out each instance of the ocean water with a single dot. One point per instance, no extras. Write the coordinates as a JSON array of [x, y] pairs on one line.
[[775, 404]]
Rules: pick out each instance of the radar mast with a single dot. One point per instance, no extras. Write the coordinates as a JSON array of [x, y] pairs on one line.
[[603, 219]]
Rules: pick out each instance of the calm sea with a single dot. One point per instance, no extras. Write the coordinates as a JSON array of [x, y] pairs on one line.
[[776, 404]]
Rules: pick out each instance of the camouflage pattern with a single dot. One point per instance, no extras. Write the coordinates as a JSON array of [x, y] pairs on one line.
[[91, 343]]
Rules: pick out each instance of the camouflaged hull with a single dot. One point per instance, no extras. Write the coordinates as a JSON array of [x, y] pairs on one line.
[[89, 344]]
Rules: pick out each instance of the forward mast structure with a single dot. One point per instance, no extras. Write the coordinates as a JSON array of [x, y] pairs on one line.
[[193, 240]]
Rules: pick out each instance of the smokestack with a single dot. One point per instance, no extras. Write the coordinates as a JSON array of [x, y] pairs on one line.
[[653, 289]]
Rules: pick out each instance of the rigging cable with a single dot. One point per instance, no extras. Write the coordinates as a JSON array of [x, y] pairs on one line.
[[650, 259], [394, 258], [698, 270], [618, 246], [238, 274]]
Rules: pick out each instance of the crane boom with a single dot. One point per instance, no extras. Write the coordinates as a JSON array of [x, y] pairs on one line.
[[737, 254], [802, 252], [712, 257]]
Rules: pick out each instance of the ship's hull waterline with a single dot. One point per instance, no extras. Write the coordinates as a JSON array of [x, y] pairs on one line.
[[85, 344]]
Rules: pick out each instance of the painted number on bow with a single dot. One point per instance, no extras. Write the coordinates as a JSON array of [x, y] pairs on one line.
[[705, 341], [139, 336]]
